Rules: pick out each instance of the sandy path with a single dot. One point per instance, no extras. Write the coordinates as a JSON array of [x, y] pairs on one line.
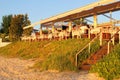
[[16, 69]]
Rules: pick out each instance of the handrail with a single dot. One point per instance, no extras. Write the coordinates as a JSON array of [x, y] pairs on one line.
[[91, 42], [84, 48], [110, 40]]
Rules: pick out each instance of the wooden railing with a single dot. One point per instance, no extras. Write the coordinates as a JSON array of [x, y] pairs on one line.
[[88, 45], [112, 38]]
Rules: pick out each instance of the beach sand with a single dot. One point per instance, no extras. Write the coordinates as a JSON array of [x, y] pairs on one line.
[[16, 69]]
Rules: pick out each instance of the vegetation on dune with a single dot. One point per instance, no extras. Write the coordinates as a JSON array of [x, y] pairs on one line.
[[50, 55], [62, 55], [109, 66], [24, 50], [85, 53], [59, 55]]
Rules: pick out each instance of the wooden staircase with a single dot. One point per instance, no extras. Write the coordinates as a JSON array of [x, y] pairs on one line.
[[94, 58]]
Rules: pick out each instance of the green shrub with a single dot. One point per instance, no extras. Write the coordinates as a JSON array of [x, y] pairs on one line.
[[109, 66]]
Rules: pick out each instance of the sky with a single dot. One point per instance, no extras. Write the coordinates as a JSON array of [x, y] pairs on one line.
[[39, 9]]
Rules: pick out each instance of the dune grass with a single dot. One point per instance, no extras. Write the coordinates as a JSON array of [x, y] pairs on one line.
[[50, 55], [109, 66], [62, 55], [24, 50]]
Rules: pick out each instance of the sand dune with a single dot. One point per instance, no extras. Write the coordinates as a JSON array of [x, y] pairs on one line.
[[16, 69]]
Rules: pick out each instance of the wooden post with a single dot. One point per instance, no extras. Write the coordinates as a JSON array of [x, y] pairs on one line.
[[53, 28], [108, 51], [70, 26], [95, 20], [40, 29], [101, 37], [119, 37], [89, 48], [76, 61], [113, 39], [110, 16], [89, 33]]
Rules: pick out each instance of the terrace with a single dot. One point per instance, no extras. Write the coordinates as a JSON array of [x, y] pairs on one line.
[[81, 31]]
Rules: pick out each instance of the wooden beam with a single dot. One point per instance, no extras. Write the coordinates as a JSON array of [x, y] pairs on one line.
[[87, 7], [32, 25], [84, 12]]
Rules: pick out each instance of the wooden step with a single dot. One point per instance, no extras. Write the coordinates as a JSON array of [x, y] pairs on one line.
[[85, 67], [91, 61], [94, 58]]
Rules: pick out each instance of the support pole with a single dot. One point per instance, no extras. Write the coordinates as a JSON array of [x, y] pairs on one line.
[[113, 39], [70, 28], [89, 33], [95, 20], [89, 48], [108, 48], [100, 37], [110, 16], [40, 29], [76, 61], [119, 37], [53, 28]]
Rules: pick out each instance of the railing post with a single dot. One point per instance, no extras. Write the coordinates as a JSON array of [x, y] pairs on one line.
[[119, 37], [76, 60], [100, 37], [89, 48], [108, 51], [113, 39]]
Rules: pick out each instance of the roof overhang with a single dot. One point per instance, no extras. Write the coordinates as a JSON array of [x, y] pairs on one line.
[[96, 8], [100, 7]]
